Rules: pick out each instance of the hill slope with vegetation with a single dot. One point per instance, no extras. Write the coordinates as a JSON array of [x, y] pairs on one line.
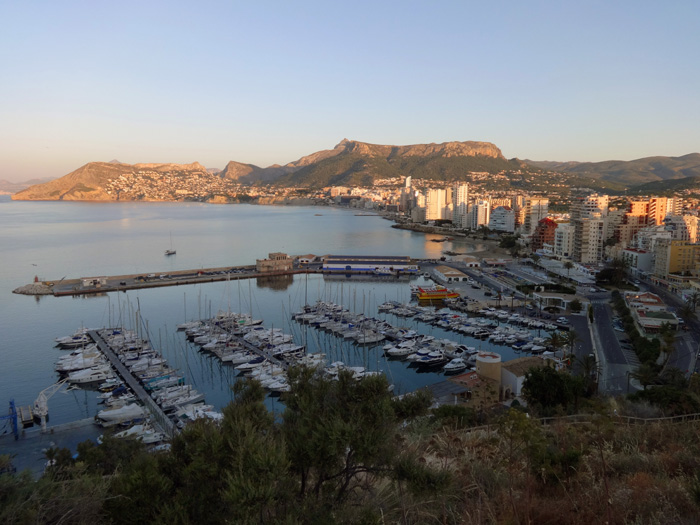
[[630, 173], [348, 452]]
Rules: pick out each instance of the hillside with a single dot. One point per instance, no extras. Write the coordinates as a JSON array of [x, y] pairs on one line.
[[354, 163], [250, 173], [669, 186], [630, 173], [358, 163], [99, 181]]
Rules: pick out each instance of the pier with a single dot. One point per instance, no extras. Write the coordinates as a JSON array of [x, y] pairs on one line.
[[160, 418], [260, 353], [119, 283]]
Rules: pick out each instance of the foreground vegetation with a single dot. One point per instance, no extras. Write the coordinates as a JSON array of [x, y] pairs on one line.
[[347, 452]]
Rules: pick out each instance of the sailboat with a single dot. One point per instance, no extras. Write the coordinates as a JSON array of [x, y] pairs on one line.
[[171, 251]]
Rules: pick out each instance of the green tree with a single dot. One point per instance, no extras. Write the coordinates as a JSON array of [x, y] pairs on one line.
[[575, 306], [549, 389], [614, 274], [646, 373], [338, 433]]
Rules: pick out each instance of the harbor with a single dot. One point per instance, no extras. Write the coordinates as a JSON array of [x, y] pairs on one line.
[[127, 242]]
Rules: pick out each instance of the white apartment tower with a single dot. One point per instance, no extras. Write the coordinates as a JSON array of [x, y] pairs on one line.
[[460, 201], [480, 214], [502, 219]]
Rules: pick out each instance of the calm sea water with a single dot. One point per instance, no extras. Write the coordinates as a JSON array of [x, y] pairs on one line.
[[56, 239]]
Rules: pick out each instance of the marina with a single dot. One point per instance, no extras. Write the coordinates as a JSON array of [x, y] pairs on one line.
[[119, 240]]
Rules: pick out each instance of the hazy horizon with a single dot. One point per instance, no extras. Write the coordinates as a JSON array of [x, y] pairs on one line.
[[270, 82]]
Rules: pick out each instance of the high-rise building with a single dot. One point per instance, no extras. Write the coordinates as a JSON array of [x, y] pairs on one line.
[[536, 209], [682, 227], [564, 240], [588, 219], [502, 219], [589, 238], [634, 220], [543, 234], [659, 207], [480, 213], [436, 205], [460, 205], [675, 257]]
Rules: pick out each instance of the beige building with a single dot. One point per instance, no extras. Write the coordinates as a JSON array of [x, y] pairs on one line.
[[276, 262], [675, 257], [449, 275]]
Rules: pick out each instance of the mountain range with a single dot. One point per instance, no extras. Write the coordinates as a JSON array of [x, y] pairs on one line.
[[7, 186], [632, 172], [354, 163]]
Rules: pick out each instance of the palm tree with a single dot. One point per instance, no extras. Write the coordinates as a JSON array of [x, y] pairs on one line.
[[555, 341], [570, 339], [589, 371], [694, 300], [687, 311], [668, 340], [568, 265]]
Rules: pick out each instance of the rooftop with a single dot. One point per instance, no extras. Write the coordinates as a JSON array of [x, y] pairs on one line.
[[519, 367], [448, 271]]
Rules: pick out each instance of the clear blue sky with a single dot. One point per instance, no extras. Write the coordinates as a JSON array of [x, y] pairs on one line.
[[267, 82]]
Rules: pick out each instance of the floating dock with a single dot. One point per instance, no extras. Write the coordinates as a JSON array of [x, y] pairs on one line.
[[159, 417]]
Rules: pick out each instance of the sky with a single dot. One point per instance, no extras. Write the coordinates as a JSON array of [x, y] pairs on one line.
[[266, 82]]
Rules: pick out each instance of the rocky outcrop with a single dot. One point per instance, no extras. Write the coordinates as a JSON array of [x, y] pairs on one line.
[[446, 149], [237, 170], [34, 289]]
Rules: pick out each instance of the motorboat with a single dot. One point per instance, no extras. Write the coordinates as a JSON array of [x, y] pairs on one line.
[[254, 363], [91, 375], [456, 365], [141, 432], [192, 396], [113, 416], [194, 411]]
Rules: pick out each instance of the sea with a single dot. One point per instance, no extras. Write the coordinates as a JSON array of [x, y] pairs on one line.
[[56, 240]]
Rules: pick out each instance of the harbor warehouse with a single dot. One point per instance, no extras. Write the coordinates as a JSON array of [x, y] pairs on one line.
[[368, 263]]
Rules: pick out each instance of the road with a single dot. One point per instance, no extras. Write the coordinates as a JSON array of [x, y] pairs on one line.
[[685, 356]]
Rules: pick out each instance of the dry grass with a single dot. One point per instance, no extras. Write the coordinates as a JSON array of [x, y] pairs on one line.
[[622, 474]]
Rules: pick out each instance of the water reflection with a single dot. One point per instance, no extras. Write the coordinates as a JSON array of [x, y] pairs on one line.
[[275, 282]]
